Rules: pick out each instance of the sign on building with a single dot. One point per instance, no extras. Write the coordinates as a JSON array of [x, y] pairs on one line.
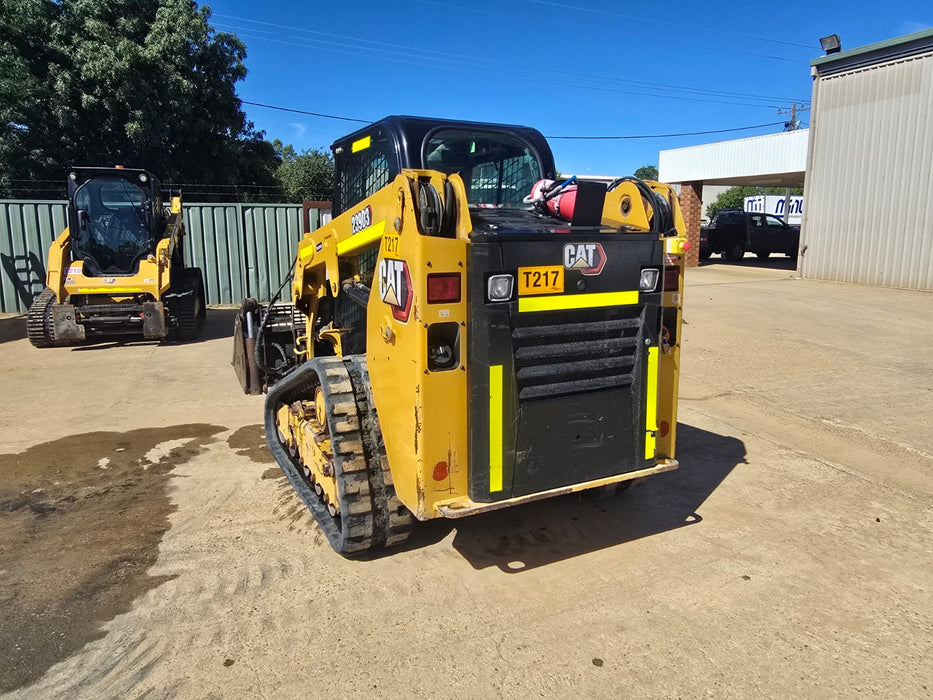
[[775, 204]]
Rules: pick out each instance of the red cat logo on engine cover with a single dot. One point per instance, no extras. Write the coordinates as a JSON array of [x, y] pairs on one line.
[[588, 258], [395, 287]]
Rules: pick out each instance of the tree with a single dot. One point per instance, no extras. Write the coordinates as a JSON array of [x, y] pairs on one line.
[[734, 197], [647, 172], [27, 72], [145, 83], [308, 175]]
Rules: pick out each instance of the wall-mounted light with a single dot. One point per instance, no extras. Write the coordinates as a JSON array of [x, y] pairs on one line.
[[831, 44]]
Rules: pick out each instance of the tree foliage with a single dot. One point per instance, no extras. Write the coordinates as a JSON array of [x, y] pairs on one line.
[[647, 172], [734, 197], [145, 83], [305, 176]]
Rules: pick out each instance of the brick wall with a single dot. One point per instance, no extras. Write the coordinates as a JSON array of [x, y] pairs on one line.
[[691, 205]]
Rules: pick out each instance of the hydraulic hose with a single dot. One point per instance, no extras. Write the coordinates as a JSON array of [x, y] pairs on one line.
[[259, 352]]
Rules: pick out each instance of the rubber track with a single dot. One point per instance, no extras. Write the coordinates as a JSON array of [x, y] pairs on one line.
[[353, 529], [393, 521], [184, 322], [39, 327]]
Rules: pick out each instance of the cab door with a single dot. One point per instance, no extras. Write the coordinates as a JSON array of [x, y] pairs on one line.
[[781, 235], [760, 237]]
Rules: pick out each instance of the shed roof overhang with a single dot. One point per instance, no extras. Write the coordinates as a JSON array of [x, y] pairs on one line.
[[774, 160]]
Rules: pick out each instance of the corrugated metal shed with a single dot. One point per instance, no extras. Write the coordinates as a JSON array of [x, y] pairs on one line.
[[869, 214], [243, 249], [27, 229]]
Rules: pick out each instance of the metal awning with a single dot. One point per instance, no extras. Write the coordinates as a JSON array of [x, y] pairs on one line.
[[774, 160]]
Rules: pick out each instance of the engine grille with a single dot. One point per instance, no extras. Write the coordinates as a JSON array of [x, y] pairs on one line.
[[556, 358]]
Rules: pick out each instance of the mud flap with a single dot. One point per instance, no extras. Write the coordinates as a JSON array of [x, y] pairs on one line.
[[154, 320], [65, 323]]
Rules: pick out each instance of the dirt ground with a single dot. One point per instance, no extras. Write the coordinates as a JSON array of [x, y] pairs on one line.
[[151, 549]]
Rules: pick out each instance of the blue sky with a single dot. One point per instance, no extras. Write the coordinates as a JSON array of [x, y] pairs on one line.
[[580, 68]]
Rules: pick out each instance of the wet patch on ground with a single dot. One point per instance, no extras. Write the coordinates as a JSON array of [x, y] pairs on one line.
[[81, 519], [250, 441]]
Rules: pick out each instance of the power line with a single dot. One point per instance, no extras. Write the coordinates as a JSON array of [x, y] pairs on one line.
[[664, 136], [673, 24], [461, 59], [302, 111], [628, 35], [575, 138], [471, 64], [393, 49]]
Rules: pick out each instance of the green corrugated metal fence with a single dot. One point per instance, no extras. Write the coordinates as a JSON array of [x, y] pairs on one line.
[[243, 249]]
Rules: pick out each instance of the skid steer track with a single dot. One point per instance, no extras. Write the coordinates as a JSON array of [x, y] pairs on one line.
[[39, 327], [369, 515]]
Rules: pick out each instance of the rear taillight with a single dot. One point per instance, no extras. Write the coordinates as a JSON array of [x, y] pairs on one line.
[[444, 287], [671, 279]]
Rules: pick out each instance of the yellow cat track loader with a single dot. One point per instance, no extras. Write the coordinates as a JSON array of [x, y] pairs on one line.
[[119, 266], [468, 333]]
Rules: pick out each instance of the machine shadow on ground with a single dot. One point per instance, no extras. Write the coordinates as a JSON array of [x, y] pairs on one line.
[[774, 262], [526, 537], [12, 328], [219, 324]]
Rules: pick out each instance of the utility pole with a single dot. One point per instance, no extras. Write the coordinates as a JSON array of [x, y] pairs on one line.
[[791, 124]]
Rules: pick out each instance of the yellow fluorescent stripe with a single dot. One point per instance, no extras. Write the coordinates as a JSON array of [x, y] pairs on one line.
[[361, 144], [361, 239], [111, 290], [577, 301], [495, 428], [651, 403]]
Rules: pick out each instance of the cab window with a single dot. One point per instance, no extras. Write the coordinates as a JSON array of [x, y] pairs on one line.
[[498, 169], [364, 172]]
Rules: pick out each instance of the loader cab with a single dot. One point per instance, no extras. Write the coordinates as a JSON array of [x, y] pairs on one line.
[[499, 163], [115, 217]]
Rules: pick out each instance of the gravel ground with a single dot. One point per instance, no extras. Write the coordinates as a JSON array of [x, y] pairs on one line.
[[148, 548]]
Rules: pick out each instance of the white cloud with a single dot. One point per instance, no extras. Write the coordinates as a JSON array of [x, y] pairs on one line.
[[299, 128]]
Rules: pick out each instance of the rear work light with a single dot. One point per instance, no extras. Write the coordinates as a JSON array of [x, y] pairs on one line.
[[444, 288], [649, 279], [499, 287]]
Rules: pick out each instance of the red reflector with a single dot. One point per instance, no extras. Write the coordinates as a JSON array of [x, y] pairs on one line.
[[440, 471], [665, 428], [444, 287], [671, 279]]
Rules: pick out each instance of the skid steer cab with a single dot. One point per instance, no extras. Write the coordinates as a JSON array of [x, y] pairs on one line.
[[119, 267], [468, 333]]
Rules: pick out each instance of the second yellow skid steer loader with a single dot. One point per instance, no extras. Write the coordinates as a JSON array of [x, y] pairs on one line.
[[119, 267], [467, 333]]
